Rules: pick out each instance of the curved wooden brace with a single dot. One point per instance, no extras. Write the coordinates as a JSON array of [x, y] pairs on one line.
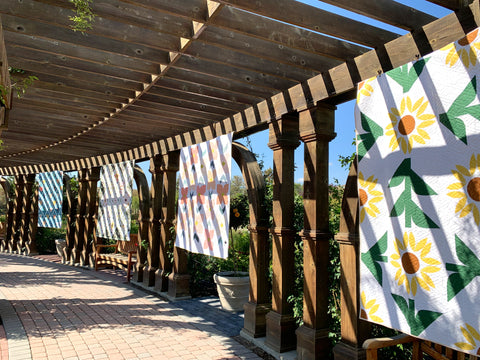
[[143, 219], [259, 301], [354, 331]]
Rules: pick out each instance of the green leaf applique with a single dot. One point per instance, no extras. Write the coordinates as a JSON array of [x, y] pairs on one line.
[[416, 321], [405, 204], [374, 256], [406, 78], [366, 140], [451, 119], [462, 274]]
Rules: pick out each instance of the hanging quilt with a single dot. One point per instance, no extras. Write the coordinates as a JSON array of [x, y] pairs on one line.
[[50, 196], [115, 196], [204, 198], [418, 143]]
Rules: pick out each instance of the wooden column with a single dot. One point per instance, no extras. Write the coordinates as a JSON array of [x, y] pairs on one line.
[[143, 221], [71, 210], [80, 217], [10, 203], [179, 279], [259, 299], [152, 272], [169, 168], [17, 213], [88, 250], [283, 139], [316, 131], [31, 244], [354, 331], [29, 181]]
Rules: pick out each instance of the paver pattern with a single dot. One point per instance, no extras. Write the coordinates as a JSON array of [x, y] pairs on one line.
[[69, 313]]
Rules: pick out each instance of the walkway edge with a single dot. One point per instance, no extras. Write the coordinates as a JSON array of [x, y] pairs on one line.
[[18, 344]]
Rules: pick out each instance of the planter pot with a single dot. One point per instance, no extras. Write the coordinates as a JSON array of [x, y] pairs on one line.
[[232, 290], [60, 244]]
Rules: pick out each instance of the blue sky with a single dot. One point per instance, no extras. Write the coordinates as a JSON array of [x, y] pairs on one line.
[[344, 115]]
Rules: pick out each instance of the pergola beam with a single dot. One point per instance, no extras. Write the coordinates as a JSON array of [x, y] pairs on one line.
[[389, 12]]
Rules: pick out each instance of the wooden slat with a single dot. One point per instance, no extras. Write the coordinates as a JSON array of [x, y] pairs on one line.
[[29, 9], [37, 67], [235, 74], [388, 11], [286, 35], [268, 50], [79, 52], [199, 99], [247, 61], [49, 31], [315, 19], [452, 4], [219, 83], [206, 90]]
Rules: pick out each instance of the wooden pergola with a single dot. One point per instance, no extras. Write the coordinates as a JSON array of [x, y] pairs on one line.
[[153, 76]]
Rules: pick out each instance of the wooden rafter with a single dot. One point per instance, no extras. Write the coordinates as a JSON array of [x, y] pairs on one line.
[[155, 75]]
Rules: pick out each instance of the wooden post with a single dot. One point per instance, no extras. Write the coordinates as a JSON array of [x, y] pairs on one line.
[[80, 217], [169, 168], [316, 131], [10, 203], [259, 300], [354, 330], [31, 244], [29, 181], [17, 213], [88, 250], [71, 210], [283, 139], [179, 279], [143, 220], [151, 272]]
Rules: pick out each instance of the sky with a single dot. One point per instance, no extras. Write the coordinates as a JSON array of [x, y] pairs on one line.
[[344, 115]]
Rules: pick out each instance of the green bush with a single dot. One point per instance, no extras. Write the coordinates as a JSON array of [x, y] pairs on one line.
[[203, 267], [46, 239]]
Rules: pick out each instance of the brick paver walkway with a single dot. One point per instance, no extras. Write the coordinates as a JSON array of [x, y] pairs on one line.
[[55, 311]]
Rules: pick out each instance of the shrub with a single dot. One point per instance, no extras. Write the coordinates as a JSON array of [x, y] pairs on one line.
[[46, 239]]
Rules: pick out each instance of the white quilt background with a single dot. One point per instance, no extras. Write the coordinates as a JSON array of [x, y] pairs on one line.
[[418, 142]]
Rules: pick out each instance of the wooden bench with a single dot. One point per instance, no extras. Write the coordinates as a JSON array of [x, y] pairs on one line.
[[123, 257], [420, 347]]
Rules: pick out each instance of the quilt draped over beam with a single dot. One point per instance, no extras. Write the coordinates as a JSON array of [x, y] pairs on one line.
[[418, 136], [50, 196], [114, 201], [204, 198]]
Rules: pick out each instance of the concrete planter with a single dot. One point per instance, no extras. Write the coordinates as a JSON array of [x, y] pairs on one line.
[[60, 244], [232, 290]]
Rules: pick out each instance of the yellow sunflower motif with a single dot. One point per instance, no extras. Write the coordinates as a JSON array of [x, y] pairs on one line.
[[465, 49], [410, 258], [408, 124], [368, 196], [470, 334], [368, 309], [364, 89], [467, 190]]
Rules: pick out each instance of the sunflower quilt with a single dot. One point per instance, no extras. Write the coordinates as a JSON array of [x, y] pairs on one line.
[[418, 146], [204, 197]]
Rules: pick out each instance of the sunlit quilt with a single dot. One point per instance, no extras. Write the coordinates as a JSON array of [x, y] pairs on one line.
[[204, 197], [115, 196], [418, 143], [50, 196]]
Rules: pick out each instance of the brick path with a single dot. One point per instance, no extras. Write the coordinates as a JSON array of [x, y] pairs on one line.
[[69, 313]]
